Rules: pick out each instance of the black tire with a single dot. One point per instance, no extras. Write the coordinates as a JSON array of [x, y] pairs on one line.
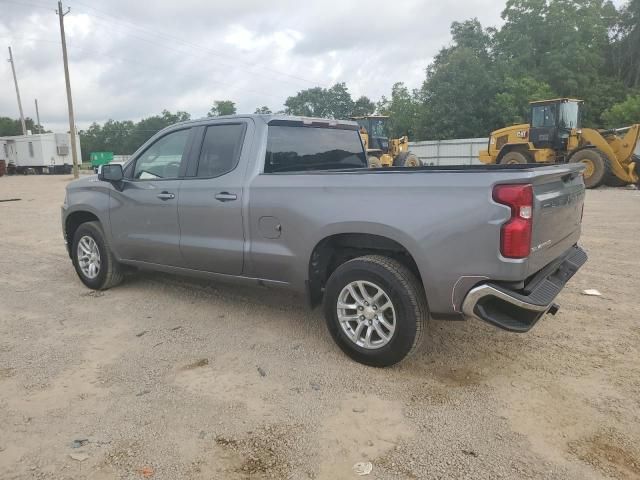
[[598, 168], [406, 159], [610, 178], [514, 157], [612, 181], [403, 290], [110, 272], [374, 162]]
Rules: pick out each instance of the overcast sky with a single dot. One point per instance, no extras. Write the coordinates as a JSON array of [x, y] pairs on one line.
[[131, 59]]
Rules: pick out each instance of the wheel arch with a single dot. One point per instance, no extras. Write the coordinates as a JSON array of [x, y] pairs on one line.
[[335, 249], [523, 148], [73, 221], [579, 149]]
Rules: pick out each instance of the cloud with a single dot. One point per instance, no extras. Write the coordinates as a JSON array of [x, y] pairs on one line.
[[128, 61]]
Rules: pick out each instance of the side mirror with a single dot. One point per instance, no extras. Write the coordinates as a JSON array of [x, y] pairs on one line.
[[110, 172]]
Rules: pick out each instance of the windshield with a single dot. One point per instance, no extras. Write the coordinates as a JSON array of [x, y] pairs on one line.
[[569, 115], [378, 127]]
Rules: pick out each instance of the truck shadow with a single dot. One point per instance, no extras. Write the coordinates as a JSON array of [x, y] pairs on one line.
[[457, 353]]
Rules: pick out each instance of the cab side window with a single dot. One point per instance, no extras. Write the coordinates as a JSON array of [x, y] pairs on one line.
[[163, 158], [221, 149]]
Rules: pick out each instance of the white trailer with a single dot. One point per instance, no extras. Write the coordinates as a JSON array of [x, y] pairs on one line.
[[4, 152], [41, 153], [462, 151]]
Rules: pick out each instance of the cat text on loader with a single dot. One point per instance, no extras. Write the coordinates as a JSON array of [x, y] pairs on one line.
[[383, 151], [555, 136]]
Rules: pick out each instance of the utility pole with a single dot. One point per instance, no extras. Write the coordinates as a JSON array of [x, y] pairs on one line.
[[39, 128], [15, 80], [72, 123]]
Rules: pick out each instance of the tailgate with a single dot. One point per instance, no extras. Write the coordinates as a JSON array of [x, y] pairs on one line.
[[557, 215]]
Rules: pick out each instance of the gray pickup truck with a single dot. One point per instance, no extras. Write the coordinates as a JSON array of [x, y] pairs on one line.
[[289, 201]]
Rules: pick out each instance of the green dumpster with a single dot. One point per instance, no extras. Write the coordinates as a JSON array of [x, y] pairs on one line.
[[100, 158]]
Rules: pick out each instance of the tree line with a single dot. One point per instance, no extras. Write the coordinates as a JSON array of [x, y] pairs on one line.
[[483, 80]]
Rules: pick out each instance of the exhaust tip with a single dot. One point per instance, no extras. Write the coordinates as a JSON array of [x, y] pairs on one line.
[[553, 309]]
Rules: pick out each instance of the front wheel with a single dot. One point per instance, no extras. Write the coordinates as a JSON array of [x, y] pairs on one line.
[[515, 157], [406, 159], [94, 263], [375, 309], [374, 162], [596, 163]]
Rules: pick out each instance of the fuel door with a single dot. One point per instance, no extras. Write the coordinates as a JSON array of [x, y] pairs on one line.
[[269, 227]]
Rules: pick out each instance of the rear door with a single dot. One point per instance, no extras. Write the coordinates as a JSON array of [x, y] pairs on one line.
[[211, 198], [144, 213]]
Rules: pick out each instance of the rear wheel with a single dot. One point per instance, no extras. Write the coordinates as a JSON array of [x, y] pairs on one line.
[[597, 166], [94, 263], [511, 158], [375, 309], [406, 159]]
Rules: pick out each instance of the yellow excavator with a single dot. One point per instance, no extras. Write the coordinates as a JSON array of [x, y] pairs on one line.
[[555, 136], [383, 151]]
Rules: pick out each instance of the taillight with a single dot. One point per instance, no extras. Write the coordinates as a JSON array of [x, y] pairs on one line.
[[515, 234]]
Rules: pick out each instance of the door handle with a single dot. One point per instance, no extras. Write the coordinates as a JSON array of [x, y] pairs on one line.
[[225, 196], [166, 196]]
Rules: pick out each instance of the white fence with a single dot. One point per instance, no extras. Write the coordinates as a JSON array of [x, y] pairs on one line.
[[462, 151]]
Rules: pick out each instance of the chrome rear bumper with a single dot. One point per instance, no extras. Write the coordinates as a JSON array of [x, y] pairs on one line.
[[518, 311]]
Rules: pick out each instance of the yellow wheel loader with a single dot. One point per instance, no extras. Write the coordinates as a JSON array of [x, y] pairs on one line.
[[555, 136], [383, 151]]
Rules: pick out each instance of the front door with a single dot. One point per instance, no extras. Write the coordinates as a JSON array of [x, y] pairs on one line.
[[210, 206], [543, 132], [144, 212]]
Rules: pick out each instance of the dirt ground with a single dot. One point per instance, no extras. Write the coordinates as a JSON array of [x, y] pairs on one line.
[[170, 378]]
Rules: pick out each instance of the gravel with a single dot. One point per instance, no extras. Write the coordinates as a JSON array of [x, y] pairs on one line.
[[177, 378]]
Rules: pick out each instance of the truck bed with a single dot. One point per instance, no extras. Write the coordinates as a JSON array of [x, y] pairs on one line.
[[444, 216]]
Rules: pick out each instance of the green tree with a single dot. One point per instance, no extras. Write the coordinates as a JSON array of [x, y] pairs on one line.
[[456, 97], [363, 106], [312, 102], [334, 102], [624, 58], [562, 43], [222, 107], [402, 109], [511, 104], [263, 110], [10, 127], [623, 113], [124, 137], [340, 101]]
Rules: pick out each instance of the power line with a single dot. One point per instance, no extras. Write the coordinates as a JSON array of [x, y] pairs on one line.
[[137, 61], [116, 20], [26, 4], [29, 39], [173, 38]]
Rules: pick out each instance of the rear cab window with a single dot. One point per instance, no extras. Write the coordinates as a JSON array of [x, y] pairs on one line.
[[297, 147]]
